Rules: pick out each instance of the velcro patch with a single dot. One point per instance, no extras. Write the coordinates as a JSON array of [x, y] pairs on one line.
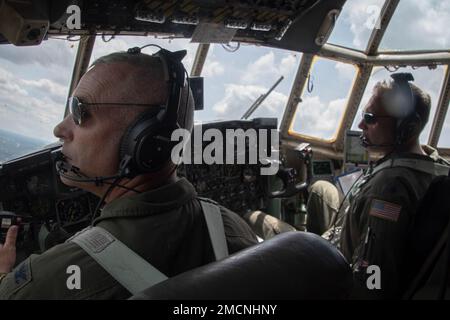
[[16, 279], [385, 210]]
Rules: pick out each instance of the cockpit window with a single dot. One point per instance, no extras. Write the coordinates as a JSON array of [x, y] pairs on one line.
[[235, 80], [324, 99], [418, 25], [105, 45], [355, 23], [234, 75], [430, 80], [444, 139], [34, 83]]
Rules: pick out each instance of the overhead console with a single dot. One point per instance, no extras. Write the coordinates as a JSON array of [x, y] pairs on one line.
[[300, 25]]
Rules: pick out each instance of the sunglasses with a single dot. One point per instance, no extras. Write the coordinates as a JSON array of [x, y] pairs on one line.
[[78, 109], [370, 118]]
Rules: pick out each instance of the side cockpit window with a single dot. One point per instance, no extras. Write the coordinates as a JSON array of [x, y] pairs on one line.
[[324, 99], [34, 84]]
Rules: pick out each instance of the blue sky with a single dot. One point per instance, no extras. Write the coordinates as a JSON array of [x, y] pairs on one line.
[[34, 80]]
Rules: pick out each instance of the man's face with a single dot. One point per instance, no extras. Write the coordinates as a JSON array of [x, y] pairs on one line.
[[380, 135], [93, 146]]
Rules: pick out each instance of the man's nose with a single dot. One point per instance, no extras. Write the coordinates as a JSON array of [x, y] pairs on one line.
[[63, 130], [362, 125]]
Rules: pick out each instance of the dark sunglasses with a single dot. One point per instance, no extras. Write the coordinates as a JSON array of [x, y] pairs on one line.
[[370, 118], [78, 109]]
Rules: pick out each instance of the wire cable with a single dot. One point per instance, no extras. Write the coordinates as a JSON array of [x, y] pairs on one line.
[[100, 202], [230, 48]]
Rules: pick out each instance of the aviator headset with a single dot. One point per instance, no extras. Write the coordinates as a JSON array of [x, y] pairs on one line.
[[402, 104], [146, 144]]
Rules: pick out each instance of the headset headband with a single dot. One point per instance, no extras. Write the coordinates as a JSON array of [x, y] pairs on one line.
[[174, 75], [146, 144], [403, 107], [402, 103]]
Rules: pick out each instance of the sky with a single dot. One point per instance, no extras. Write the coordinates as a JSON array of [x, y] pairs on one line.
[[34, 80]]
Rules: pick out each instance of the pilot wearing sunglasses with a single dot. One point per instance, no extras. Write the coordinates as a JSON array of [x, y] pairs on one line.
[[157, 215], [375, 217]]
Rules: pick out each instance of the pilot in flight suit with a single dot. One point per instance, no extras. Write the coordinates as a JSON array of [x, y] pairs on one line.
[[374, 218], [155, 214], [381, 214]]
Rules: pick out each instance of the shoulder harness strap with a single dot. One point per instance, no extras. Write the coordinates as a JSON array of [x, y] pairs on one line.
[[216, 230], [122, 263], [128, 268]]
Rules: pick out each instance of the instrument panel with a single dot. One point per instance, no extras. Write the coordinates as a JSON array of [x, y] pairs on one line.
[[239, 186], [30, 187]]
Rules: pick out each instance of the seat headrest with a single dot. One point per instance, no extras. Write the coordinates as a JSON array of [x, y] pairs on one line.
[[292, 265]]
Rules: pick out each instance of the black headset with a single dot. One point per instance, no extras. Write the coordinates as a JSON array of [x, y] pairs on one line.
[[403, 102], [146, 144]]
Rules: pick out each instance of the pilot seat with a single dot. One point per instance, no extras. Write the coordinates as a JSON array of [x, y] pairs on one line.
[[289, 266]]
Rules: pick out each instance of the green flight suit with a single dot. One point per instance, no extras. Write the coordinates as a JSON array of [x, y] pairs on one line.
[[322, 206], [164, 226], [383, 202], [381, 214]]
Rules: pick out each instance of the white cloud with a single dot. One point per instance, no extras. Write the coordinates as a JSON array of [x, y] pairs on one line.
[[57, 91], [361, 15], [318, 119], [415, 25], [267, 67], [212, 69], [432, 22], [273, 106], [102, 48], [346, 71], [49, 53], [32, 115], [262, 67], [238, 98], [288, 64], [9, 87]]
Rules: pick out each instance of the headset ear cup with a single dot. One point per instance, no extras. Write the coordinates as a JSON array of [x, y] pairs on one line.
[[153, 152], [409, 128], [147, 140], [128, 143]]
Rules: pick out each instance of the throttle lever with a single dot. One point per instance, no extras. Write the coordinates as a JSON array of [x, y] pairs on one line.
[[290, 188]]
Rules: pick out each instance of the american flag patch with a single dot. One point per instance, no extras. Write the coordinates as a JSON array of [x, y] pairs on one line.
[[385, 210]]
